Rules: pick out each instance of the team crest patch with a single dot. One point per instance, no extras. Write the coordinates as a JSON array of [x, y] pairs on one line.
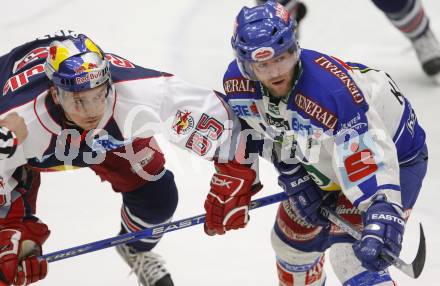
[[183, 122]]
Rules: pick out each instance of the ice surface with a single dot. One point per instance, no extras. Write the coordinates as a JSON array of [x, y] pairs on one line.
[[191, 39]]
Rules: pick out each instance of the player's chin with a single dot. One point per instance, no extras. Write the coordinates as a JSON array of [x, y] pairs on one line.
[[89, 125], [281, 89]]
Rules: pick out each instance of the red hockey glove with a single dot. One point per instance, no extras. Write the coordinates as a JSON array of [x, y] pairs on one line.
[[20, 243], [227, 204]]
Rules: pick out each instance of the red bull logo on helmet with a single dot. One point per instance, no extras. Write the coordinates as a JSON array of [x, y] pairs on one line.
[[263, 54], [89, 77], [85, 67], [53, 52]]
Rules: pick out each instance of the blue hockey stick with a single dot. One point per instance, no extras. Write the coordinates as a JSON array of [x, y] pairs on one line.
[[412, 269], [157, 230]]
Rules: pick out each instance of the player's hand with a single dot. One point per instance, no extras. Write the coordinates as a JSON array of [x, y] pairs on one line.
[[20, 244], [15, 123], [383, 228], [227, 204], [305, 196]]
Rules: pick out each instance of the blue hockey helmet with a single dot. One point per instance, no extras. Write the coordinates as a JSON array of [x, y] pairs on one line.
[[262, 33], [76, 64]]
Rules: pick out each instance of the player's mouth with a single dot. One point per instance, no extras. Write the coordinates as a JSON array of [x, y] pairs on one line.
[[278, 82], [94, 120]]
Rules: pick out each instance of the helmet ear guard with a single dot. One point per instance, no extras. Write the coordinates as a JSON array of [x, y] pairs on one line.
[[76, 64], [261, 33]]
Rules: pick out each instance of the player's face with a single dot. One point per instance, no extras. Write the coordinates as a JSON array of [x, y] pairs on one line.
[[85, 108], [277, 73]]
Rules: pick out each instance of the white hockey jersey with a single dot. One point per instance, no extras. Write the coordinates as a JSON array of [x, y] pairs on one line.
[[141, 103]]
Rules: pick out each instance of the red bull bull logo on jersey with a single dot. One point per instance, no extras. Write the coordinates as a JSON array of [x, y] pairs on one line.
[[183, 122]]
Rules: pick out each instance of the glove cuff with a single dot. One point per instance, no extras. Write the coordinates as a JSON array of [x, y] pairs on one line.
[[35, 231], [385, 213]]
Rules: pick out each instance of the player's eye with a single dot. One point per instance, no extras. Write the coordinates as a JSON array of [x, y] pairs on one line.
[[280, 59], [261, 66], [98, 97]]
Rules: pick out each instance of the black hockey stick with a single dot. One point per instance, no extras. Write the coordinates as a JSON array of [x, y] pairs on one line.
[[413, 269]]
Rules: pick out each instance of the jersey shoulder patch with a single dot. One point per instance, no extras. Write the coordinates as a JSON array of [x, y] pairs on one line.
[[22, 76], [333, 74], [326, 91], [236, 86]]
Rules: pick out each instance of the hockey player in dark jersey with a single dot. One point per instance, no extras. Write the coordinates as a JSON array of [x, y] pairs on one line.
[[338, 133], [409, 17], [86, 108]]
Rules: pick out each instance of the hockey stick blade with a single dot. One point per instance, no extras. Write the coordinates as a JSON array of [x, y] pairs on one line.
[[148, 232], [419, 261], [413, 269]]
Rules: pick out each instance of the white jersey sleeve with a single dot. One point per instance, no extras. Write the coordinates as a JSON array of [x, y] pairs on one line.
[[367, 162], [33, 147], [364, 154], [191, 117]]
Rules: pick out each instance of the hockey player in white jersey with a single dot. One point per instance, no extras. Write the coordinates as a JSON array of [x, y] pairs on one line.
[[339, 134], [85, 108]]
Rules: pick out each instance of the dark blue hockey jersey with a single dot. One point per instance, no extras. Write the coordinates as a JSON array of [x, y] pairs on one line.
[[349, 125]]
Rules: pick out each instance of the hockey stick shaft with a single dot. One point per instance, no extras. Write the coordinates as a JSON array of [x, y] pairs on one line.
[[149, 232], [413, 269]]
